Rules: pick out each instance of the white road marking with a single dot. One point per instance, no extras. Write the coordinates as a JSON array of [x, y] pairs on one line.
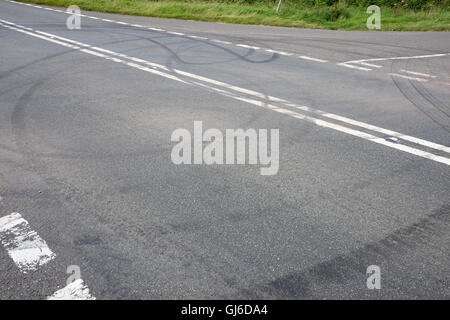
[[353, 67], [52, 39], [229, 86], [76, 290], [198, 37], [407, 77], [181, 34], [312, 59], [219, 41], [176, 33], [279, 52], [23, 244], [247, 46], [400, 58], [367, 126], [418, 73], [370, 65], [394, 139], [316, 121], [340, 128]]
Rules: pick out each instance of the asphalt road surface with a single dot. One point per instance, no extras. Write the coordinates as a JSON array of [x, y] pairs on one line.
[[87, 182]]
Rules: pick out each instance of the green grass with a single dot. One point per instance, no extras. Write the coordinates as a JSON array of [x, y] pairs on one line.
[[293, 13]]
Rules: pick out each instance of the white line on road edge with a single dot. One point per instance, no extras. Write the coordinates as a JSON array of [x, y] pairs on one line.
[[76, 290], [24, 245], [418, 73], [407, 77], [316, 121]]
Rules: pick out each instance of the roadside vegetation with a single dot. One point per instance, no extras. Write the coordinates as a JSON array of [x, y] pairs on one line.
[[404, 15]]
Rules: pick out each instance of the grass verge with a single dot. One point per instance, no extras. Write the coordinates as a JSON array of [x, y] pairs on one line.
[[292, 13]]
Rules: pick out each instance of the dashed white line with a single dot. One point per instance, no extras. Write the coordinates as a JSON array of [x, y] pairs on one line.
[[76, 290], [23, 244]]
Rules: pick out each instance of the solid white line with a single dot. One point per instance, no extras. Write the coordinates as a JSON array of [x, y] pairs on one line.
[[418, 73], [269, 106], [353, 67], [76, 290], [23, 244], [312, 59], [247, 46], [407, 77]]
